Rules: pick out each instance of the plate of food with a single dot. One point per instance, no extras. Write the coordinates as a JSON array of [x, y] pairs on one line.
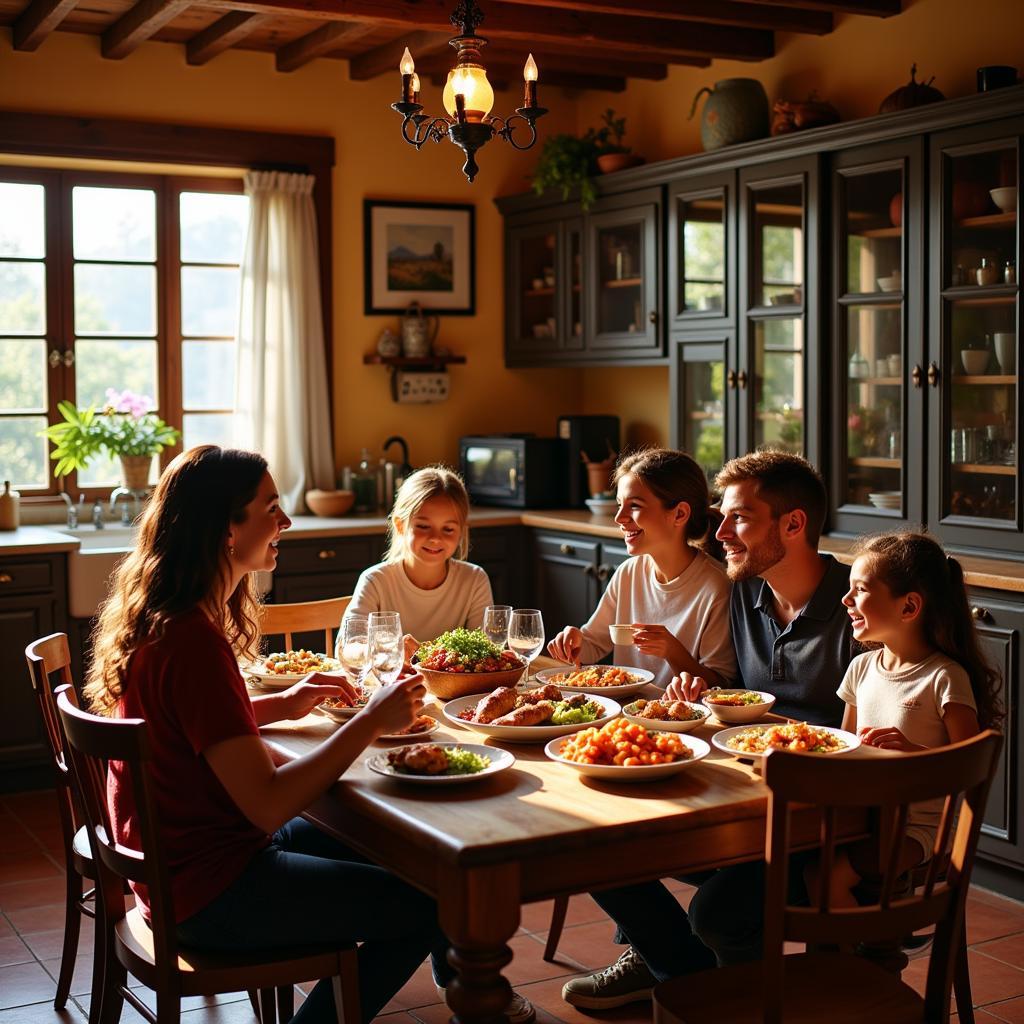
[[667, 715], [444, 764], [282, 668], [464, 661], [735, 706], [610, 680], [652, 753], [754, 741], [530, 716], [337, 708], [422, 726]]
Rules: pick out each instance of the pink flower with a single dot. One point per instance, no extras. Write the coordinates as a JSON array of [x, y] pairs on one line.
[[855, 422], [128, 402]]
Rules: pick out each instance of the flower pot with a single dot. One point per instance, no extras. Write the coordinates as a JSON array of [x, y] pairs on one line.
[[611, 162], [135, 471]]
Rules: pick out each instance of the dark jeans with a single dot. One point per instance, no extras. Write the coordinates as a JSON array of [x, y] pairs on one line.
[[306, 887]]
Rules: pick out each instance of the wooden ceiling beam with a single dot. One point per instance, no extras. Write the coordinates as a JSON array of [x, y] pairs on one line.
[[514, 21], [872, 8], [385, 57], [778, 17], [137, 25], [607, 53], [224, 33], [37, 21], [326, 39]]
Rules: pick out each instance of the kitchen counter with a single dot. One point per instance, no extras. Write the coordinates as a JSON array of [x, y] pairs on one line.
[[35, 540]]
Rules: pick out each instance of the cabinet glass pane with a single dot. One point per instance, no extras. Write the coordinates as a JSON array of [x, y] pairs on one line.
[[874, 405], [982, 210], [620, 279], [576, 282], [983, 440], [873, 205], [702, 253], [778, 244], [704, 414], [537, 275], [779, 383]]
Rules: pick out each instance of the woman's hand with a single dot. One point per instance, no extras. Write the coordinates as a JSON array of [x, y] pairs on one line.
[[394, 707], [298, 700], [686, 687], [567, 645], [657, 641], [888, 739]]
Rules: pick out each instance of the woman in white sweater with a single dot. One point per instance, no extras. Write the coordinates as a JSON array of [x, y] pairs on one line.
[[671, 591]]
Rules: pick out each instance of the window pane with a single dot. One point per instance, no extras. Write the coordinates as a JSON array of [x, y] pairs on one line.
[[208, 374], [213, 227], [208, 428], [22, 305], [22, 220], [209, 300], [23, 453], [102, 471], [114, 223], [114, 300], [114, 364], [22, 375]]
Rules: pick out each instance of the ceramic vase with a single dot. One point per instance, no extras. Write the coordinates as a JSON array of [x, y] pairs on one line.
[[736, 111]]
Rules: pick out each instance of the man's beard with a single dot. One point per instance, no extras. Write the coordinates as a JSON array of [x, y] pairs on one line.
[[758, 560]]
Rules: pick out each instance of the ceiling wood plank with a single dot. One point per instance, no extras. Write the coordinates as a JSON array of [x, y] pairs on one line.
[[317, 43], [386, 56], [513, 21], [138, 24], [38, 20], [873, 8], [224, 33]]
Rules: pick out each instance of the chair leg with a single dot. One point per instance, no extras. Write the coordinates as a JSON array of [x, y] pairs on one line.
[[254, 1002], [168, 1008], [285, 1003], [346, 988], [962, 981], [72, 929], [558, 912], [268, 1006]]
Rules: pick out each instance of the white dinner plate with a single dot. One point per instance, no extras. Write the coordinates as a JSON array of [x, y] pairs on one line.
[[280, 680], [643, 677], [631, 773], [500, 760], [720, 740], [421, 734], [667, 724], [526, 733], [343, 713]]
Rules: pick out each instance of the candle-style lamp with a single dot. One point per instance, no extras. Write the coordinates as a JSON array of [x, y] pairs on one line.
[[467, 98]]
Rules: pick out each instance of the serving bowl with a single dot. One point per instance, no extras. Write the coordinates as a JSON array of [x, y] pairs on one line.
[[630, 773], [667, 724], [742, 713], [891, 283], [975, 360], [449, 685], [886, 499], [330, 503], [641, 677], [1005, 198]]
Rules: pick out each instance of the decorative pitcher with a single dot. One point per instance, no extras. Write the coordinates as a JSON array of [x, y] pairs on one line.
[[418, 332], [736, 111]]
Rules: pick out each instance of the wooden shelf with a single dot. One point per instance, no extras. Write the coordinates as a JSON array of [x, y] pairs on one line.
[[985, 469], [879, 232], [401, 362], [625, 282], [989, 220], [704, 415], [984, 378], [876, 462], [889, 381], [982, 294], [532, 293]]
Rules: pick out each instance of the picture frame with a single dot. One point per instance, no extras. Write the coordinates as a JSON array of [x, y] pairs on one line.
[[419, 252]]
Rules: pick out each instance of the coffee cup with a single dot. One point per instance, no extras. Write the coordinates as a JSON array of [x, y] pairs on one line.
[[881, 366], [621, 634], [894, 364], [1005, 345]]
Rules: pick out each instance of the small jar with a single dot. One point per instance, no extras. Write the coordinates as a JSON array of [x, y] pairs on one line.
[[988, 272], [1009, 273], [959, 276]]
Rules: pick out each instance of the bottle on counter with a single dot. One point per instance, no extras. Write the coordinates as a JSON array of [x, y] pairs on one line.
[[364, 483], [10, 508]]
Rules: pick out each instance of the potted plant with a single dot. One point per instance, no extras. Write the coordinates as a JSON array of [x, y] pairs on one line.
[[568, 162], [126, 427], [612, 154]]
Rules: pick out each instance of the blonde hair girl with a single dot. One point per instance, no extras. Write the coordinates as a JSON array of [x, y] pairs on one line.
[[424, 576]]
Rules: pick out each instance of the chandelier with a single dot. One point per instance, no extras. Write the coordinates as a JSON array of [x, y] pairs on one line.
[[467, 98]]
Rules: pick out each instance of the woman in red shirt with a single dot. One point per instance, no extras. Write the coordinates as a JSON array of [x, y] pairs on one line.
[[246, 872]]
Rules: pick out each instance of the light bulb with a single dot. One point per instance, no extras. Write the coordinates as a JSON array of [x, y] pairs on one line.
[[471, 81], [530, 69], [407, 65]]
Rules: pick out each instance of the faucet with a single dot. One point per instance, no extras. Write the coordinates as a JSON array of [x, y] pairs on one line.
[[127, 515], [97, 515], [72, 511]]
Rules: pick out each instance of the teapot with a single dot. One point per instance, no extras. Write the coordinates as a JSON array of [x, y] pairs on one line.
[[418, 332]]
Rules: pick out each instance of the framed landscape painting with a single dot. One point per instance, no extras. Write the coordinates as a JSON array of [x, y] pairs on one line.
[[419, 252]]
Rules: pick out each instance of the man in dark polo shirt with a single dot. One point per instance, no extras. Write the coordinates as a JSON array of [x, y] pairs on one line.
[[793, 639]]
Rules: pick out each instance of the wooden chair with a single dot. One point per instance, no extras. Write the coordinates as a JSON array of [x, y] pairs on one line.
[[811, 987], [151, 953], [304, 617], [47, 657]]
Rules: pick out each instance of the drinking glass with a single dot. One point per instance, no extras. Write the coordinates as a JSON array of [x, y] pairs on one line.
[[386, 646], [352, 650], [496, 619], [526, 635]]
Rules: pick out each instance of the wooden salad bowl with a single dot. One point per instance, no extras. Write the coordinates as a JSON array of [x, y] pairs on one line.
[[449, 685]]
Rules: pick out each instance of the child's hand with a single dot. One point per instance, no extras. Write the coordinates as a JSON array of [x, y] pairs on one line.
[[657, 641], [686, 687], [394, 707], [887, 739], [566, 646]]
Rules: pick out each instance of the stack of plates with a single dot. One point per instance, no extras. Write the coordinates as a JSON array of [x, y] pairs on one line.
[[887, 499]]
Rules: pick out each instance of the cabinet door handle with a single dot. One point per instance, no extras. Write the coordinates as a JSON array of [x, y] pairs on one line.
[[325, 553], [915, 375], [933, 374], [741, 379], [653, 316], [730, 379], [603, 572], [567, 549], [980, 614], [6, 577], [589, 570]]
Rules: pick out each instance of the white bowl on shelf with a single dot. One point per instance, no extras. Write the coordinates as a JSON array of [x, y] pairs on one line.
[[602, 506], [1005, 198], [886, 499], [975, 360], [891, 283]]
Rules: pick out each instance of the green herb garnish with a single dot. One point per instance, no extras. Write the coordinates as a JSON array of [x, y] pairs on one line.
[[469, 645], [464, 762]]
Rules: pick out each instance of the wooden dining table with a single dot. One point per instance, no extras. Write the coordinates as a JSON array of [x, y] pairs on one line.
[[535, 831]]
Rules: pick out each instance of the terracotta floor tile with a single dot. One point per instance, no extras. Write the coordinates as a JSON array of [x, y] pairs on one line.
[[1010, 950], [528, 964], [148, 996], [419, 990], [47, 945], [993, 898], [589, 945], [38, 919], [25, 983], [81, 980], [992, 980], [129, 1015], [39, 892], [43, 1013], [989, 921], [582, 910], [27, 866], [1011, 1011], [13, 951]]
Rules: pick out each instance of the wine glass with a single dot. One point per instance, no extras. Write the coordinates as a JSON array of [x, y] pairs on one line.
[[386, 646], [496, 619], [526, 635], [352, 650]]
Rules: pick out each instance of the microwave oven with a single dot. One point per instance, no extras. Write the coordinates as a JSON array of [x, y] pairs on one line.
[[514, 470]]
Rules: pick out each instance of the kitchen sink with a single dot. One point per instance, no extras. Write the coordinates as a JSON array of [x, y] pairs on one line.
[[90, 567]]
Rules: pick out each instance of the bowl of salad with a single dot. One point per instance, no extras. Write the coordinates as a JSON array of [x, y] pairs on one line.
[[737, 707], [464, 661]]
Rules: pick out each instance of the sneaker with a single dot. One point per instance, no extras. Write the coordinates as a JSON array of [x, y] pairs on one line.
[[628, 980], [887, 955], [917, 945], [519, 1010]]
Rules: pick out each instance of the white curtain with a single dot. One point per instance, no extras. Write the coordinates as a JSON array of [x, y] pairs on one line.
[[281, 390]]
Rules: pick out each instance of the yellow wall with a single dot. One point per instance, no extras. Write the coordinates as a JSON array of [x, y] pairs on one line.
[[854, 67]]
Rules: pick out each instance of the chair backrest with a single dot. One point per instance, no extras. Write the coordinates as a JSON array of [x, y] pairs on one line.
[[959, 774], [47, 657], [93, 742], [304, 617]]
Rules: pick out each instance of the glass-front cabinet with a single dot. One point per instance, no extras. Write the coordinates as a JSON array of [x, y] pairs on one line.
[[972, 372], [876, 336], [698, 390], [778, 308]]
